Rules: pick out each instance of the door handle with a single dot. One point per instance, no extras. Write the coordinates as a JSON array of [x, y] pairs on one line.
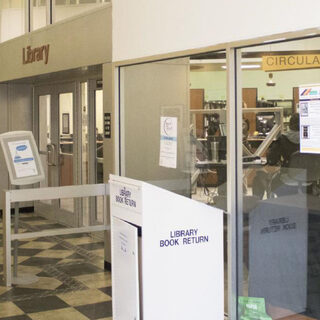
[[51, 152]]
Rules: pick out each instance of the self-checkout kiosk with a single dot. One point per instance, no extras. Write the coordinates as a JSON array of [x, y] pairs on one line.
[[167, 254], [24, 168]]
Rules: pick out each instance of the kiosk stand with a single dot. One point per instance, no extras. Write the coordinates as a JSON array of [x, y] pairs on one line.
[[167, 254], [24, 167]]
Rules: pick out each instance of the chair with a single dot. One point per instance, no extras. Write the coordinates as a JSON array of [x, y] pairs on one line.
[[304, 168], [301, 175]]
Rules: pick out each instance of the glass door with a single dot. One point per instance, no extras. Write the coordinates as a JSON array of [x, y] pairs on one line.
[[92, 147], [98, 108], [278, 232], [56, 133]]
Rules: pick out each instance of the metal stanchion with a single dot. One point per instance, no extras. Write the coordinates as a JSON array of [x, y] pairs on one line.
[[23, 278], [15, 242]]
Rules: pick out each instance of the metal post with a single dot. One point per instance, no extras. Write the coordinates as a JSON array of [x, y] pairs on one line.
[[25, 278], [15, 243], [234, 177], [6, 218]]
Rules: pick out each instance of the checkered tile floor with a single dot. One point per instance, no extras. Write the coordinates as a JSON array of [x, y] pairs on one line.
[[72, 283]]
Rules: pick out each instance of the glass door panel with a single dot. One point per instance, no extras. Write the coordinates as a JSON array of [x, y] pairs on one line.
[[45, 137], [85, 148], [278, 229], [54, 114], [66, 144], [99, 149], [91, 148]]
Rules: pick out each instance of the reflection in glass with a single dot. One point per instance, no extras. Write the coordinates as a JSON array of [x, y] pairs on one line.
[[208, 124], [68, 8], [99, 134], [66, 142], [39, 14], [99, 148], [279, 232], [12, 18], [191, 93], [85, 147], [45, 138]]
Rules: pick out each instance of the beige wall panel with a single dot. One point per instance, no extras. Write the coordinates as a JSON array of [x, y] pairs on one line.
[[16, 114], [77, 42], [20, 107], [3, 128], [108, 144]]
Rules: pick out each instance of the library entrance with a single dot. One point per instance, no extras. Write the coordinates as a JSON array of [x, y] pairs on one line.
[[68, 129]]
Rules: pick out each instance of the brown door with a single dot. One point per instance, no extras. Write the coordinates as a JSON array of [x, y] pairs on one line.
[[197, 102]]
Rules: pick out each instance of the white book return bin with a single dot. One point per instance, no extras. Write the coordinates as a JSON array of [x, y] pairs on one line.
[[167, 254]]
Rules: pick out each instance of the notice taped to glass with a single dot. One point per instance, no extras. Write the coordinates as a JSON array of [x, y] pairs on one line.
[[23, 158], [168, 142], [309, 110]]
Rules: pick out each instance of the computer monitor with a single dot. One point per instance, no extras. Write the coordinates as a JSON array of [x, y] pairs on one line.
[[264, 124]]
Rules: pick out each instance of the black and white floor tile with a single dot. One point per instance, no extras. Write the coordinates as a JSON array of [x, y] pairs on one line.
[[72, 282]]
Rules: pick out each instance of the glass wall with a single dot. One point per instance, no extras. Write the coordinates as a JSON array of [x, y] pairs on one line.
[[99, 134], [191, 92], [173, 126], [39, 14], [12, 19], [68, 8], [13, 14], [66, 143], [279, 228]]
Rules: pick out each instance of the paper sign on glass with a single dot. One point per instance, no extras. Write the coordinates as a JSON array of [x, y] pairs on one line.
[[168, 142], [309, 110]]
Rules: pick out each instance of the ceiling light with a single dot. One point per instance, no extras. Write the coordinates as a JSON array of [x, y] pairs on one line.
[[207, 61], [270, 82], [246, 66]]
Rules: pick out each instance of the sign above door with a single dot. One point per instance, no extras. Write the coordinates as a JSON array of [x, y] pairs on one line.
[[30, 55]]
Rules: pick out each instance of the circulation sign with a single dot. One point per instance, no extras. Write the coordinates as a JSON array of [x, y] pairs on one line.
[[23, 158], [290, 62]]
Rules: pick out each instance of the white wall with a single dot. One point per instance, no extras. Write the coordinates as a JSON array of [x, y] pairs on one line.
[[214, 84], [148, 27]]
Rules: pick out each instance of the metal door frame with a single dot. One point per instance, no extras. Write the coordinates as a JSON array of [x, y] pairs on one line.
[[92, 170], [53, 211]]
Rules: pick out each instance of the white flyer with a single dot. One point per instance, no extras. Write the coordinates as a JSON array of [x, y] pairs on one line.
[[23, 158], [309, 110], [168, 142]]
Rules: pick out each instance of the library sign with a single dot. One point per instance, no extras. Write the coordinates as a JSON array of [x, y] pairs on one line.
[[30, 55], [290, 62]]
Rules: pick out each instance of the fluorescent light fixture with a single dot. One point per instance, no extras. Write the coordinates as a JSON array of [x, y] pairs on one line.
[[270, 82], [246, 66], [215, 61], [207, 61], [274, 40]]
